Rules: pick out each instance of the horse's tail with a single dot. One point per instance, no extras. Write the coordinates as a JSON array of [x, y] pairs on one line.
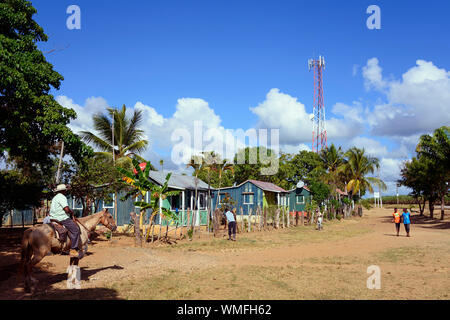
[[26, 252]]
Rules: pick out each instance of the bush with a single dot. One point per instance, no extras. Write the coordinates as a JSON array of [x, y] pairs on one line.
[[338, 216]]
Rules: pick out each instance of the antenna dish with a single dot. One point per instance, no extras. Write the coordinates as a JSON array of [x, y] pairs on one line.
[[300, 184]]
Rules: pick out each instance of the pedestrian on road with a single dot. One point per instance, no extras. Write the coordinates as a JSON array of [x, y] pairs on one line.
[[397, 219], [406, 216]]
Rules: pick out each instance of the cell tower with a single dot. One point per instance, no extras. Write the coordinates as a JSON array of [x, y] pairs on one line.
[[319, 132]]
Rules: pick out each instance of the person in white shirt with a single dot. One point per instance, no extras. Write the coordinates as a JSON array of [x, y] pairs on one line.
[[231, 219], [60, 211]]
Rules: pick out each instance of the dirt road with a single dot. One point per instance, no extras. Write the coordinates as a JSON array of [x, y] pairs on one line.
[[296, 263]]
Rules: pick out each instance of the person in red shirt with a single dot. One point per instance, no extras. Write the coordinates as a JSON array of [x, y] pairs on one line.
[[397, 219]]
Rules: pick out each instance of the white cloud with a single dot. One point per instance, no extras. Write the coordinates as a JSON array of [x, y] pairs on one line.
[[418, 103], [284, 112], [372, 74], [372, 147], [83, 122]]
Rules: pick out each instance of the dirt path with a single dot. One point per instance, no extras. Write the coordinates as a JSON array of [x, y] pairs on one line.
[[296, 263]]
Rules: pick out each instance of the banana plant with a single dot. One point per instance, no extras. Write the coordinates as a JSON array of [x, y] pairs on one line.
[[141, 185]]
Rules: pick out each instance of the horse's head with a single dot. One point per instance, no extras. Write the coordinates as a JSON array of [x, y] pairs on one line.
[[108, 221]]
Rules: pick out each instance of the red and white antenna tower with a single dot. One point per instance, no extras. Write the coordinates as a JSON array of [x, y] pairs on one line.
[[319, 136]]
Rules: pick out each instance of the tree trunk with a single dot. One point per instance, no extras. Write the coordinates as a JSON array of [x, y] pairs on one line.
[[278, 218], [265, 218], [216, 222], [421, 208], [442, 206], [137, 229], [431, 206]]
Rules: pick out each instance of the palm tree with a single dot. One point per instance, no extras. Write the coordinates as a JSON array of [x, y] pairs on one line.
[[356, 167], [222, 167], [332, 159], [161, 163], [197, 164], [128, 138]]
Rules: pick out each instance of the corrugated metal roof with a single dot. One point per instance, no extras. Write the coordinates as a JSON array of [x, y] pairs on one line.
[[178, 181], [267, 186]]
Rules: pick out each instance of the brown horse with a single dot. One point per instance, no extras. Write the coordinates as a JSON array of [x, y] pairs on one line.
[[38, 241]]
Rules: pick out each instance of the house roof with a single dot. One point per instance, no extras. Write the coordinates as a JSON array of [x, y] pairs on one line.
[[267, 186], [178, 181]]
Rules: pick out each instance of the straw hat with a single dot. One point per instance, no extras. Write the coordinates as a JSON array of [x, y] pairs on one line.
[[61, 187]]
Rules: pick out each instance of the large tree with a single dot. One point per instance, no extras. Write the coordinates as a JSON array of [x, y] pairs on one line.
[[419, 175], [436, 148], [32, 123]]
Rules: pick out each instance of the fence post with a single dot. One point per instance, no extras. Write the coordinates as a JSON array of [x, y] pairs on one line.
[[265, 218], [288, 219], [249, 227], [278, 218], [242, 220]]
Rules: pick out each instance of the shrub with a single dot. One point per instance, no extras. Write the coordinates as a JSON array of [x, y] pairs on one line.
[[338, 216]]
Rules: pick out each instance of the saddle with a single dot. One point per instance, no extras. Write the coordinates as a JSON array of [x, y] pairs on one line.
[[60, 231]]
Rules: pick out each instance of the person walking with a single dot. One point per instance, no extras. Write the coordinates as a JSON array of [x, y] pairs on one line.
[[231, 219], [397, 219], [406, 216], [60, 211]]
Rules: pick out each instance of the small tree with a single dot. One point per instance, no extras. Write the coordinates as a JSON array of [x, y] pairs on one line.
[[141, 185]]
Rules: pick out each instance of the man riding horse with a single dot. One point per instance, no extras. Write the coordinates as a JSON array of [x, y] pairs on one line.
[[60, 211]]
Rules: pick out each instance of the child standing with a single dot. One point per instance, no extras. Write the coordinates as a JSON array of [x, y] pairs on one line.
[[319, 220], [406, 220], [397, 220]]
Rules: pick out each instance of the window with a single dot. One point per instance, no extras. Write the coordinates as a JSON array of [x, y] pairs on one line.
[[202, 200], [248, 198], [300, 199], [77, 207], [109, 204]]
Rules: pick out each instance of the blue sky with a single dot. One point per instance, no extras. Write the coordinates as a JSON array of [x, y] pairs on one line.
[[231, 55]]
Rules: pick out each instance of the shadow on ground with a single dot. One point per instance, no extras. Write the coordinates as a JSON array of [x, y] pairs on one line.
[[11, 284], [425, 221]]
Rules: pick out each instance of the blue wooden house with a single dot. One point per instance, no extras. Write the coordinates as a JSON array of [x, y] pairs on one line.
[[178, 204], [251, 194], [298, 198]]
